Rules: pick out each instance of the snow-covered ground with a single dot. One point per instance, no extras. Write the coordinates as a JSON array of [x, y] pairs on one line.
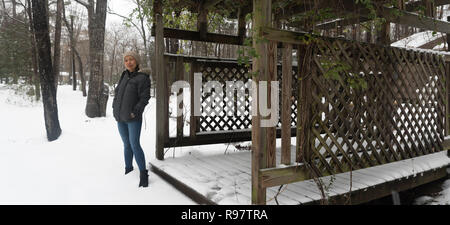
[[84, 166], [416, 40]]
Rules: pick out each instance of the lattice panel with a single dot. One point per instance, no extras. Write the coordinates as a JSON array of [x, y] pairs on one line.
[[222, 117], [398, 115]]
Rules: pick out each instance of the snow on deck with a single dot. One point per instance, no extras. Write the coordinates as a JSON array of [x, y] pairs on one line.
[[226, 178]]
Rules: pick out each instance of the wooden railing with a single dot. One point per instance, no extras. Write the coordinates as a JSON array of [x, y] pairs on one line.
[[221, 127], [360, 105]]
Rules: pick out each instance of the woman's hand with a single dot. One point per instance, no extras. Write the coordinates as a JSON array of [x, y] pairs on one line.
[[132, 115]]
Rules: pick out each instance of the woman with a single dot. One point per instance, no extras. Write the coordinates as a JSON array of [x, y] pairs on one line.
[[131, 96]]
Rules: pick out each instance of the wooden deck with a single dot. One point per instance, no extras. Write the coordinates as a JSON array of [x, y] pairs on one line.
[[226, 179]]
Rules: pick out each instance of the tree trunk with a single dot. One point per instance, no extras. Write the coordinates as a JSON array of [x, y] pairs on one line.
[[112, 61], [40, 23], [35, 76], [72, 55], [57, 44], [95, 106], [82, 77], [74, 71], [74, 50], [168, 45], [14, 8], [3, 5]]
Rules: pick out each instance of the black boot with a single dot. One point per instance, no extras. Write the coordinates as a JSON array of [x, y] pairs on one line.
[[127, 170], [143, 179]]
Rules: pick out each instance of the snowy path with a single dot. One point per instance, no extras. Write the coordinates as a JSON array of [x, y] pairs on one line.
[[84, 166]]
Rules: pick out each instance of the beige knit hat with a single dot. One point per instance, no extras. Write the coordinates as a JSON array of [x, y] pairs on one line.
[[134, 55]]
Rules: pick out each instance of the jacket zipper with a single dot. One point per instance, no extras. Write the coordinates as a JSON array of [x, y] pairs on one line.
[[123, 92]]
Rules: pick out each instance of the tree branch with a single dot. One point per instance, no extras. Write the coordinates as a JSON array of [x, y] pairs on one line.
[[211, 3], [21, 4], [128, 19], [4, 13], [83, 3]]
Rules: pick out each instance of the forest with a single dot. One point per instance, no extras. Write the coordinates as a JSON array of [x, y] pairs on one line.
[[83, 50]]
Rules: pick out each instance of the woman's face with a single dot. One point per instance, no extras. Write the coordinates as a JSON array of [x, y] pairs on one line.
[[130, 63]]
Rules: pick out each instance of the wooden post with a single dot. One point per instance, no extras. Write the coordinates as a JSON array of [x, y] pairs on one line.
[[447, 80], [385, 36], [241, 26], [369, 32], [271, 76], [202, 22], [401, 4], [162, 107], [179, 75], [430, 9], [447, 87], [303, 105], [399, 28], [193, 119], [169, 74], [286, 104], [261, 17], [384, 39]]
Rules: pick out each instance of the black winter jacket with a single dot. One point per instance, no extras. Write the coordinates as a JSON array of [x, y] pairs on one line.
[[131, 96]]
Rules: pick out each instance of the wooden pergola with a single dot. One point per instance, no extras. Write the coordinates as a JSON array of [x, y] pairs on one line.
[[312, 90]]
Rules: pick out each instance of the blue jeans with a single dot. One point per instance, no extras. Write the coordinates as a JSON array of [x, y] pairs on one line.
[[130, 132]]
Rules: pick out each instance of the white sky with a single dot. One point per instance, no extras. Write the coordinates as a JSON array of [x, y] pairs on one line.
[[122, 7]]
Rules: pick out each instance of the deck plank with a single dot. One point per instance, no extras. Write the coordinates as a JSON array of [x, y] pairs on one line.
[[437, 160], [221, 170], [234, 168], [344, 179], [337, 185], [401, 168], [220, 165], [371, 178], [210, 175], [238, 159], [413, 167], [358, 177], [226, 178], [299, 187], [327, 187], [383, 174]]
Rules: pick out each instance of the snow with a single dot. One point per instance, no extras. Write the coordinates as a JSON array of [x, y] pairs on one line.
[[84, 166], [440, 198], [413, 42], [418, 39]]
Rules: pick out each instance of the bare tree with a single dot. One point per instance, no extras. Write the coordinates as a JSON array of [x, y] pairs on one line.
[[40, 24], [96, 104], [3, 5], [123, 35], [57, 43], [72, 53], [73, 40], [140, 26], [35, 76], [114, 36], [14, 8]]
